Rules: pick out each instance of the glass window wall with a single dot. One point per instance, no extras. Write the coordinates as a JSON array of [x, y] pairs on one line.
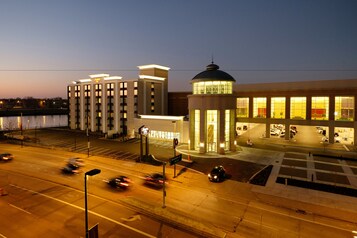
[[243, 107], [298, 108], [344, 108], [319, 108], [260, 107], [278, 107], [213, 87]]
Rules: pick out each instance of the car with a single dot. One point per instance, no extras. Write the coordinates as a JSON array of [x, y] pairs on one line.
[[218, 173], [6, 157], [121, 182], [154, 179], [274, 132], [71, 169], [77, 161]]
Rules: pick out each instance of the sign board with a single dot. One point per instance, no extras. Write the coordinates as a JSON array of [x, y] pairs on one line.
[[176, 159]]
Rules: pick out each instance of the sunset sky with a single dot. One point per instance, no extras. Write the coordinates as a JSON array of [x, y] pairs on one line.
[[46, 44]]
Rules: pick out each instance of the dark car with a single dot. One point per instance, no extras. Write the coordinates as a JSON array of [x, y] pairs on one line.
[[218, 173], [71, 169], [155, 179], [6, 157], [122, 182]]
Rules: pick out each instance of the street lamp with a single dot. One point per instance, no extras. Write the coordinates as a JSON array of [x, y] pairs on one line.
[[88, 173]]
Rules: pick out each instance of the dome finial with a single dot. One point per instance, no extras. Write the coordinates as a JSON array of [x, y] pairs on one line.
[[212, 62]]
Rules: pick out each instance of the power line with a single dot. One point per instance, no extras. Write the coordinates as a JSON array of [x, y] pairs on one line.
[[178, 70]]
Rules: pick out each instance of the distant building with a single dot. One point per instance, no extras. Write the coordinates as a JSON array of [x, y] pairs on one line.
[[109, 104]]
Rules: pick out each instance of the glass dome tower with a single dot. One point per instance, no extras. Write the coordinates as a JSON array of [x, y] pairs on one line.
[[212, 111]]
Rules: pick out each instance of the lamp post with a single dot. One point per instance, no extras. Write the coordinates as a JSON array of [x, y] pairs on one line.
[[88, 173]]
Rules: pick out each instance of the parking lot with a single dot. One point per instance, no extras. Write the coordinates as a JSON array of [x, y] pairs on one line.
[[308, 136]]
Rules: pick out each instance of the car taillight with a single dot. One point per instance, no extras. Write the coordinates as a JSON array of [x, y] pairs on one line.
[[124, 184]]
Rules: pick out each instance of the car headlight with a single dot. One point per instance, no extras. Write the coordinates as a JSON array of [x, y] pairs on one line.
[[209, 175], [215, 177]]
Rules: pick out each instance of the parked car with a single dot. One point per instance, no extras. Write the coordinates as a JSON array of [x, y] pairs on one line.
[[6, 157], [71, 169], [121, 182], [274, 132], [218, 173], [154, 179]]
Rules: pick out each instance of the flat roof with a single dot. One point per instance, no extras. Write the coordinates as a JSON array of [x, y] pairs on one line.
[[338, 84]]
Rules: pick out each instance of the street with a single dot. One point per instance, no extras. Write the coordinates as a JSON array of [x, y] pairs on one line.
[[42, 202]]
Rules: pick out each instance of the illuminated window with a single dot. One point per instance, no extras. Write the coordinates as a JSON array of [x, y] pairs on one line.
[[278, 107], [227, 129], [298, 108], [152, 108], [212, 127], [259, 107], [197, 129], [344, 108], [213, 87], [135, 92], [319, 108], [135, 84], [243, 107]]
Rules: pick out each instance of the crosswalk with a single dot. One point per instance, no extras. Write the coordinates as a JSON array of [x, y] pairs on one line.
[[60, 142]]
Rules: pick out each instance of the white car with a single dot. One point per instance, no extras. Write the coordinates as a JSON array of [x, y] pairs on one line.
[[274, 132]]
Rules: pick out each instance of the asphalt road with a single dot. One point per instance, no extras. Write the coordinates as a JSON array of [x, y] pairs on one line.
[[42, 202]]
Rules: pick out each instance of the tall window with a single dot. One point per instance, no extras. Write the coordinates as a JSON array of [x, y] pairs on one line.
[[278, 107], [227, 129], [243, 107], [298, 108], [319, 108], [260, 107], [197, 129], [212, 128], [344, 108]]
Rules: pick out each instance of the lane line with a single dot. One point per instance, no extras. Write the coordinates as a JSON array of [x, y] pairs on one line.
[[19, 208], [1, 235], [91, 212]]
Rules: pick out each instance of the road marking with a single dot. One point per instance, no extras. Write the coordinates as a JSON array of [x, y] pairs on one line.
[[18, 208], [1, 235], [346, 147], [91, 212], [132, 218]]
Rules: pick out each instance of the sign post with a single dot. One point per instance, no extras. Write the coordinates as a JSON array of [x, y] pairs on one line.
[[174, 161]]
